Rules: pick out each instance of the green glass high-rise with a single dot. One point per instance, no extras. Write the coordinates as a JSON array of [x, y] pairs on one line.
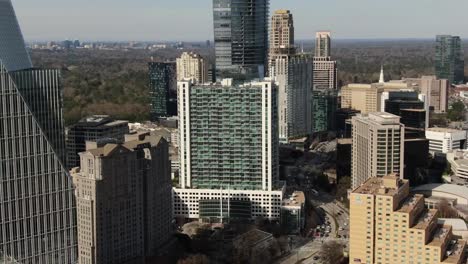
[[449, 59], [324, 106]]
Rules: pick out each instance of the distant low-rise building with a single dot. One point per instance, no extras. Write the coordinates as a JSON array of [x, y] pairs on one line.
[[293, 216], [443, 140]]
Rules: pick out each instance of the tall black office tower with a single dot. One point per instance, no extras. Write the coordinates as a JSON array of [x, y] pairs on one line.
[[241, 37], [37, 207], [163, 95]]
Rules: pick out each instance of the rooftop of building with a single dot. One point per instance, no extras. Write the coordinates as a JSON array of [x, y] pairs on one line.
[[282, 11], [229, 83], [385, 85], [455, 251], [381, 118], [410, 203], [443, 130], [387, 185], [425, 219], [345, 141], [457, 224], [459, 157], [297, 198], [109, 149], [440, 235], [453, 189], [99, 120]]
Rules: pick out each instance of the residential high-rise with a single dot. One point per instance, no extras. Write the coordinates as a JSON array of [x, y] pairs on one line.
[[192, 66], [378, 146], [323, 44], [449, 59], [325, 73], [388, 225], [228, 151], [281, 36], [92, 128], [123, 193], [37, 219], [292, 73], [324, 106], [162, 77], [325, 69], [241, 37]]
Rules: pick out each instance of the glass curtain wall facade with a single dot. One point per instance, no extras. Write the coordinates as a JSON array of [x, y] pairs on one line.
[[241, 36], [162, 80], [37, 220], [226, 137], [449, 60], [37, 207]]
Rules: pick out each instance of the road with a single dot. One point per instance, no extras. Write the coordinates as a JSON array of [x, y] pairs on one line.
[[339, 218]]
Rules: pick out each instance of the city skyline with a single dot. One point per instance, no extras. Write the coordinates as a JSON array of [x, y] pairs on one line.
[[192, 20]]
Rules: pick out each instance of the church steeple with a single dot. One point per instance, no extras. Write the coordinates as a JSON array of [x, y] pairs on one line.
[[382, 77]]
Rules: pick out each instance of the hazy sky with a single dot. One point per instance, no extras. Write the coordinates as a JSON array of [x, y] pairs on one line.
[[192, 19]]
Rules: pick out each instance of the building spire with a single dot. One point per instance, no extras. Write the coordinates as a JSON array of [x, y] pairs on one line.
[[382, 77]]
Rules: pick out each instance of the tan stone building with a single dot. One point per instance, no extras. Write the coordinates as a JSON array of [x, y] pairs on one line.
[[367, 97], [281, 36], [123, 196], [192, 66], [388, 226], [378, 146]]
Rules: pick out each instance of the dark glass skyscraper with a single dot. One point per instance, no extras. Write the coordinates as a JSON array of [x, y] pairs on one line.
[[241, 36], [449, 60], [162, 89], [37, 207]]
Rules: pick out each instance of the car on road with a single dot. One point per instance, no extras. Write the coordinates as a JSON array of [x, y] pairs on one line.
[[316, 258], [340, 229], [338, 236], [314, 192]]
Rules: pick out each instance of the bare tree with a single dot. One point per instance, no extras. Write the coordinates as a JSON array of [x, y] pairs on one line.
[[332, 252], [446, 210]]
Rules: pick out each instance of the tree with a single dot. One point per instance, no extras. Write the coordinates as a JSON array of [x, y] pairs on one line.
[[332, 252], [446, 210], [457, 111]]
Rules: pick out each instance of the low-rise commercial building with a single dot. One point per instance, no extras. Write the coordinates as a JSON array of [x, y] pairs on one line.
[[443, 140], [458, 160], [293, 213]]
